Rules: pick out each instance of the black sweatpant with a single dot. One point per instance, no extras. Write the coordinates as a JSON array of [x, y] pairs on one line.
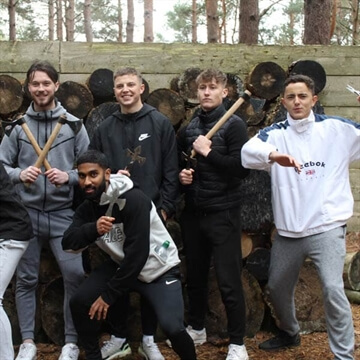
[[164, 294], [214, 234]]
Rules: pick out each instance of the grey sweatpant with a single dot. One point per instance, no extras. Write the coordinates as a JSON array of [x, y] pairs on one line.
[[327, 251], [48, 228]]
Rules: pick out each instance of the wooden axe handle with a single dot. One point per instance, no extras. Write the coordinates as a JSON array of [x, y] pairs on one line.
[[48, 144], [224, 118], [34, 143]]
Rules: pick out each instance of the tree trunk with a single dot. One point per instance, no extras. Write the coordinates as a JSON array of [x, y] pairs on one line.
[[222, 28], [249, 22], [101, 85], [355, 21], [51, 19], [59, 20], [317, 22], [169, 103], [76, 98], [120, 23], [188, 87], [351, 273], [353, 296], [312, 69], [70, 20], [212, 20], [148, 21], [12, 20], [11, 94], [194, 22], [87, 21], [130, 22], [98, 114]]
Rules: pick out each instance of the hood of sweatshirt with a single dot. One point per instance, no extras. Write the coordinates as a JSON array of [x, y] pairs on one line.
[[118, 185]]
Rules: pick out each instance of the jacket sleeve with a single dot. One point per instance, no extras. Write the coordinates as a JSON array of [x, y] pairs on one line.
[[82, 232], [81, 145], [255, 154], [170, 185], [9, 155], [95, 141], [230, 164]]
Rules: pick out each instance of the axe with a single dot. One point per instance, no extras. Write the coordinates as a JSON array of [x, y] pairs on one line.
[[8, 126], [190, 161], [134, 157], [62, 120], [244, 97]]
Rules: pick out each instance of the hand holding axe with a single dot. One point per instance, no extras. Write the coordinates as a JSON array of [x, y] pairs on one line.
[[225, 117], [8, 125], [62, 120], [266, 81]]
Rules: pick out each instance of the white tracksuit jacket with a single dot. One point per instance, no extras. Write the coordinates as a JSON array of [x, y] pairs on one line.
[[319, 198]]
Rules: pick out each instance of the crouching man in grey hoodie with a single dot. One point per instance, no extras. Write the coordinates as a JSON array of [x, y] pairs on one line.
[[123, 222]]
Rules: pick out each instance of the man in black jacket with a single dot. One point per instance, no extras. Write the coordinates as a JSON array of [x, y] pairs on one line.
[[140, 142], [210, 221], [15, 232], [123, 222]]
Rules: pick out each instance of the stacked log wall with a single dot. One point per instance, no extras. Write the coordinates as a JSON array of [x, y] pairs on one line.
[[161, 63]]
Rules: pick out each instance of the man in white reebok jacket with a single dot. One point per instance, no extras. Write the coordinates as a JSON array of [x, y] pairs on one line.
[[308, 157]]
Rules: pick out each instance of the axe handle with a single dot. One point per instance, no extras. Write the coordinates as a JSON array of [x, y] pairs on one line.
[[48, 145], [224, 118], [34, 144]]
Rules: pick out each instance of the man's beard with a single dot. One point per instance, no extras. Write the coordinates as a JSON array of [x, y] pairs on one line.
[[95, 196], [43, 103]]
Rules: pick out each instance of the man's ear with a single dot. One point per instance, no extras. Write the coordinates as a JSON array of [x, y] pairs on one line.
[[57, 84], [314, 100], [107, 174], [225, 93], [142, 88]]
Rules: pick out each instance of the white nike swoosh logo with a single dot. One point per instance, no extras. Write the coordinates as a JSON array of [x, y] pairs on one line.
[[143, 137], [170, 282]]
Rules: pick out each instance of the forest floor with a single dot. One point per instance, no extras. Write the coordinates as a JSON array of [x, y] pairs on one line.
[[313, 347]]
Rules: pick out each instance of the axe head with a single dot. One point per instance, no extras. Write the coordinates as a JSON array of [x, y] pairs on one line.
[[135, 157], [74, 125], [190, 161], [8, 125]]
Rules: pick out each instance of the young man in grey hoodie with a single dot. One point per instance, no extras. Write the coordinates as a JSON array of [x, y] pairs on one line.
[[47, 195], [123, 222]]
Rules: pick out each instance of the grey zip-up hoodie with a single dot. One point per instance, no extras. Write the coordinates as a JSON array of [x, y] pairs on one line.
[[17, 153]]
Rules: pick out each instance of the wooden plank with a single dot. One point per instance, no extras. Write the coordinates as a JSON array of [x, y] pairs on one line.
[[17, 56], [175, 58], [81, 57], [351, 113], [335, 92], [355, 183]]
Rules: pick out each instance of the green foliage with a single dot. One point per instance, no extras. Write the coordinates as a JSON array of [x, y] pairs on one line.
[[179, 20], [288, 33], [104, 17]]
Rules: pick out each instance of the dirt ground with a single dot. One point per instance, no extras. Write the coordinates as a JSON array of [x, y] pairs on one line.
[[313, 347]]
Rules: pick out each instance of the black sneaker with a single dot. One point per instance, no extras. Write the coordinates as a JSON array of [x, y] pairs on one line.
[[282, 340]]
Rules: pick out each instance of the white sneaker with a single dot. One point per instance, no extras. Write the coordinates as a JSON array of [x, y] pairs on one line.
[[198, 336], [150, 351], [69, 351], [27, 351], [115, 348], [237, 352]]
